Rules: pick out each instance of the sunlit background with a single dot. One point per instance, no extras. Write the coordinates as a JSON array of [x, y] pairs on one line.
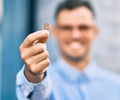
[[18, 18]]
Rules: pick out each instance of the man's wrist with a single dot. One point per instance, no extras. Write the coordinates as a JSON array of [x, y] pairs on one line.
[[33, 77]]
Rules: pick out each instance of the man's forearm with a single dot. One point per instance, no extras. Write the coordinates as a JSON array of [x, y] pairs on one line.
[[40, 91]]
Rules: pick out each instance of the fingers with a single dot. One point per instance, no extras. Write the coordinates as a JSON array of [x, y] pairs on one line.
[[37, 58], [36, 49], [42, 36], [40, 67], [32, 51]]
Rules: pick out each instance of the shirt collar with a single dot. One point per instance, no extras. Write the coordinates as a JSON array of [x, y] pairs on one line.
[[71, 74]]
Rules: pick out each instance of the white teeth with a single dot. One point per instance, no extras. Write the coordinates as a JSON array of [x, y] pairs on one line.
[[75, 45]]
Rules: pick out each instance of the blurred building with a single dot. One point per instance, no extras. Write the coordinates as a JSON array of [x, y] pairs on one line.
[[107, 48], [21, 17]]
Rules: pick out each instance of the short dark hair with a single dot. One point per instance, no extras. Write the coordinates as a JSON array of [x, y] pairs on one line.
[[72, 4]]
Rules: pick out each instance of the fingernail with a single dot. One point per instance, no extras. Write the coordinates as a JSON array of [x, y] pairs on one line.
[[46, 32]]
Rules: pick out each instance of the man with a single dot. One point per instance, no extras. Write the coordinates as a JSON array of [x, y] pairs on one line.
[[74, 76]]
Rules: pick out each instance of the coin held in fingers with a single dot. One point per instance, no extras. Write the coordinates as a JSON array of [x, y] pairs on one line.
[[46, 26]]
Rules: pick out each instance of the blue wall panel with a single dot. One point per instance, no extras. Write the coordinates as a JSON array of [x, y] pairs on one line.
[[14, 28]]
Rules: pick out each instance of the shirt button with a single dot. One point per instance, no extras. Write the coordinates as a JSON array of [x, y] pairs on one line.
[[29, 88]]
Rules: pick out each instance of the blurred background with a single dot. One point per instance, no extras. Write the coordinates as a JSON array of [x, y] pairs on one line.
[[18, 18]]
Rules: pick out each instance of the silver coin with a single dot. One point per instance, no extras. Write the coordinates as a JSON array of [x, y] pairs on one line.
[[46, 26]]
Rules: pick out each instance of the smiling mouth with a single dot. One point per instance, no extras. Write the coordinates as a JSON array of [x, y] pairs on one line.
[[75, 45]]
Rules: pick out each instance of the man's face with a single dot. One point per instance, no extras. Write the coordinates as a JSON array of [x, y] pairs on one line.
[[75, 31]]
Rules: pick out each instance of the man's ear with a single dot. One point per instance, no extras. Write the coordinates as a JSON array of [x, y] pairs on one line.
[[96, 31], [54, 31]]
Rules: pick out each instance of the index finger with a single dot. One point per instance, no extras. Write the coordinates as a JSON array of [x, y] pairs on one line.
[[30, 39]]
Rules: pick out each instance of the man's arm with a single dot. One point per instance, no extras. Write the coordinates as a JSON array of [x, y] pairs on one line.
[[35, 55], [30, 80], [26, 90]]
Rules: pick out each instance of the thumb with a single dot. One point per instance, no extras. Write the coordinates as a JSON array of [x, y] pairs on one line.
[[45, 38]]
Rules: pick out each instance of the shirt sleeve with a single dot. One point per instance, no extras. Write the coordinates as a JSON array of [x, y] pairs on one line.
[[38, 91]]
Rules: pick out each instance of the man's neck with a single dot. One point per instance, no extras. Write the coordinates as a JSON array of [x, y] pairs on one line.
[[80, 65]]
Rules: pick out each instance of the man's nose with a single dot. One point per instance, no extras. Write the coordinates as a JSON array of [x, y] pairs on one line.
[[76, 34]]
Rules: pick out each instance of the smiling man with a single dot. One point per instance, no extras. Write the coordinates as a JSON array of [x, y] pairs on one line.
[[74, 76]]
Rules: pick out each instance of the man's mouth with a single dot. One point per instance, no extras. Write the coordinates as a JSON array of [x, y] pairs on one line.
[[75, 45]]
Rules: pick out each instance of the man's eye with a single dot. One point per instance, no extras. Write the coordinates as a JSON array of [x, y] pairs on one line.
[[66, 28], [84, 27]]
